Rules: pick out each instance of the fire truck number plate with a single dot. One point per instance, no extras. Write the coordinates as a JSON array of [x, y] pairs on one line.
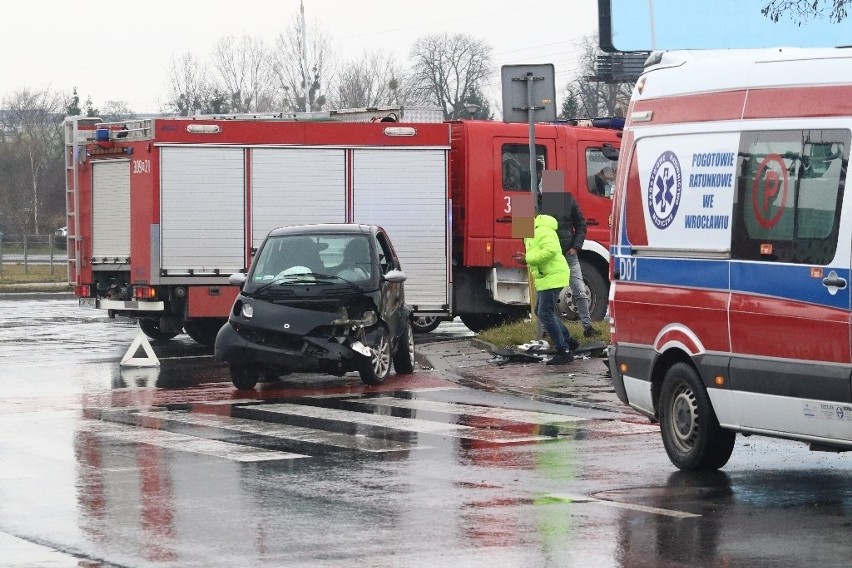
[[87, 303]]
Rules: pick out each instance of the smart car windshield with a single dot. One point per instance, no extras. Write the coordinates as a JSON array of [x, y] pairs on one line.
[[313, 260]]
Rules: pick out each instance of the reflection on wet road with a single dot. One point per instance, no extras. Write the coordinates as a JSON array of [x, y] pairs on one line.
[[171, 466]]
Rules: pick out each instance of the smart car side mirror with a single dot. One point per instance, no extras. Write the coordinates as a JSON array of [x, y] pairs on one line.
[[237, 279], [395, 276]]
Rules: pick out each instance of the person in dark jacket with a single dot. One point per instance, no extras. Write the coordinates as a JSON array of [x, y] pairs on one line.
[[572, 232]]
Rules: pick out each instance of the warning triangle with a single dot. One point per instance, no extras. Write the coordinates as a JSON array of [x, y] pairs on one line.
[[150, 359]]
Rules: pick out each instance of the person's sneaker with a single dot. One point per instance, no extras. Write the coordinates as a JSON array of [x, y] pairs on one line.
[[561, 358], [591, 332]]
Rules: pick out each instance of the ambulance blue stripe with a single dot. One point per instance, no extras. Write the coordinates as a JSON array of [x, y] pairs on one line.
[[784, 281], [692, 273], [788, 281]]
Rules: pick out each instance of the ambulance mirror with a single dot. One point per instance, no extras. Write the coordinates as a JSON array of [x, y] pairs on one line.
[[630, 26]]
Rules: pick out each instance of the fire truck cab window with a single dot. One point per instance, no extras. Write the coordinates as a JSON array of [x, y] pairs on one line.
[[600, 171], [789, 191], [516, 165]]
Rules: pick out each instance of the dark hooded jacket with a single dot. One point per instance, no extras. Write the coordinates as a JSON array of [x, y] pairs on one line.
[[571, 222]]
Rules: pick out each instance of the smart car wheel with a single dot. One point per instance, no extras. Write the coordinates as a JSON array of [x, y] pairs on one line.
[[691, 433], [244, 378], [403, 359], [376, 369]]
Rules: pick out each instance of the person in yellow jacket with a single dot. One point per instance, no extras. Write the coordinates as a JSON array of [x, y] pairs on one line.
[[550, 271]]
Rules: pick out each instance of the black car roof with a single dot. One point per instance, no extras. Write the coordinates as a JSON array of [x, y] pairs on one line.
[[325, 228]]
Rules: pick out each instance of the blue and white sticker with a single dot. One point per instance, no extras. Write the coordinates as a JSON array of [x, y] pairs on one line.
[[664, 190], [688, 183]]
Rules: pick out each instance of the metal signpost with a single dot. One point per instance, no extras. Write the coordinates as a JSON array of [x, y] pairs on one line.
[[529, 93]]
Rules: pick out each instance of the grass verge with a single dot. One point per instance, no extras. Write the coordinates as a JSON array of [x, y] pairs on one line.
[[518, 333], [35, 277]]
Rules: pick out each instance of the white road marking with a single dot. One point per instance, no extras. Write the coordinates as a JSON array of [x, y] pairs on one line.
[[284, 431], [509, 414], [184, 443], [404, 424], [512, 415], [628, 506], [425, 389]]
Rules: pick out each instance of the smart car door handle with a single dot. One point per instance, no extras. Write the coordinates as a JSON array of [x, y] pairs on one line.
[[592, 222]]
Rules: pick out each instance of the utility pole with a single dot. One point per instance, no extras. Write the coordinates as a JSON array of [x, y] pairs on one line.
[[305, 58]]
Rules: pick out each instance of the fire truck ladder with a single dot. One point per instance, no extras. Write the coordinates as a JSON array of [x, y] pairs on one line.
[[75, 154]]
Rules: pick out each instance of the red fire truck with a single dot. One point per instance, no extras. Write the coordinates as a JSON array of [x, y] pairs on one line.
[[162, 210]]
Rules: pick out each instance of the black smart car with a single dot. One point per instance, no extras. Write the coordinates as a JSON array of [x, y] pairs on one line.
[[326, 298]]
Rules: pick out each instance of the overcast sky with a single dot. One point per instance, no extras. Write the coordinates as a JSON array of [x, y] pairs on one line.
[[121, 51]]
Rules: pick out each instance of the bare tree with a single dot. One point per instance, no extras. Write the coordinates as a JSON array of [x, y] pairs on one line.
[[112, 111], [448, 69], [32, 126], [589, 97], [244, 67], [800, 11], [189, 90], [289, 70], [374, 80]]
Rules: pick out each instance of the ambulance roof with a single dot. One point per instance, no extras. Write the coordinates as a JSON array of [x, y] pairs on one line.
[[702, 71]]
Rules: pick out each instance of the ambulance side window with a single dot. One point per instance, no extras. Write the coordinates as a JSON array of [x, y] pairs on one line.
[[789, 191], [516, 165]]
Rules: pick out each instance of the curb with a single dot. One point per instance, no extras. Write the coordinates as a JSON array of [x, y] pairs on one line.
[[475, 380], [36, 295]]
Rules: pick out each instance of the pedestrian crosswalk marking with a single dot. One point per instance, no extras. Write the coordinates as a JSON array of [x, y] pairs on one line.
[[508, 414], [399, 423], [408, 390], [284, 431], [629, 506], [174, 441]]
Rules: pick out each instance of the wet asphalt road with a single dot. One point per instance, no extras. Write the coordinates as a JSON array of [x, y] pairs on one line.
[[104, 466]]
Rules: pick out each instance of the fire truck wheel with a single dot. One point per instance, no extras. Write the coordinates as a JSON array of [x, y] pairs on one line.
[[151, 328], [481, 322], [597, 291], [376, 369], [204, 330], [691, 432], [403, 359], [425, 324], [244, 378]]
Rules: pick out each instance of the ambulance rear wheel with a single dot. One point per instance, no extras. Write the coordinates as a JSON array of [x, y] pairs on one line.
[[691, 433], [151, 328]]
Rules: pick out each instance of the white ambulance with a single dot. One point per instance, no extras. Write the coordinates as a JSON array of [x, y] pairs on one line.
[[731, 250]]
